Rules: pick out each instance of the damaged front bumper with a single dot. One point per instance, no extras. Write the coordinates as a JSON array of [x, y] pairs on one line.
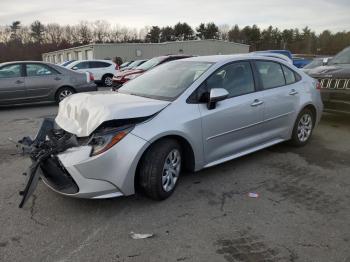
[[66, 166]]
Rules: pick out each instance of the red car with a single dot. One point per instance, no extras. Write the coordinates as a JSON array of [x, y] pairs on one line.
[[122, 77]]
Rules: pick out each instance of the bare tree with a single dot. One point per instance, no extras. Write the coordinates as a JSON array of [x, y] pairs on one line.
[[101, 31], [5, 34], [223, 31], [84, 32], [24, 34], [54, 33]]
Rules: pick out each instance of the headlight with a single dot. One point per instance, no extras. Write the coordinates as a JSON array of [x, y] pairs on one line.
[[103, 141]]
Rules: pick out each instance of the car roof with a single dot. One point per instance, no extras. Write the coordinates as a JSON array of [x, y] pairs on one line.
[[22, 62], [93, 60]]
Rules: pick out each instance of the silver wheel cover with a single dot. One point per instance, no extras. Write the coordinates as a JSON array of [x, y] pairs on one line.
[[304, 127], [171, 170]]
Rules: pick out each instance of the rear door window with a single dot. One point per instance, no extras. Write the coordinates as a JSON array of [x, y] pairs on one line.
[[39, 70], [271, 74]]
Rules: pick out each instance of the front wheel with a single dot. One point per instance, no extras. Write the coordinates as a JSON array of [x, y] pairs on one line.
[[303, 128], [160, 169]]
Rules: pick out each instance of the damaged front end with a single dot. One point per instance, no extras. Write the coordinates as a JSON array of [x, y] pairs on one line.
[[49, 141], [54, 163]]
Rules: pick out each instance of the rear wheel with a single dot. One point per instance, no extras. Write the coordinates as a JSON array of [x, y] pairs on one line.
[[107, 80], [160, 169], [303, 128], [63, 92]]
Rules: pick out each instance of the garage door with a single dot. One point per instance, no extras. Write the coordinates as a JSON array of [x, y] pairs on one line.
[[80, 55], [89, 54]]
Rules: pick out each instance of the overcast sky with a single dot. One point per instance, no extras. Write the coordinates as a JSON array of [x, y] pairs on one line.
[[317, 14]]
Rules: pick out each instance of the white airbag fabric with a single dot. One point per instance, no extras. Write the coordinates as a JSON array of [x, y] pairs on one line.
[[82, 113]]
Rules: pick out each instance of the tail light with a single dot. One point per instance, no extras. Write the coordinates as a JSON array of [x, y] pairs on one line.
[[91, 77]]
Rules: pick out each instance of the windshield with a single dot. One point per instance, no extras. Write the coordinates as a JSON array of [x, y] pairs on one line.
[[150, 63], [134, 64], [125, 64], [342, 57], [166, 82]]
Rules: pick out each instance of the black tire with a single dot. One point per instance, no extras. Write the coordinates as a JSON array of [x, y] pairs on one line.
[[151, 171], [107, 80], [296, 137], [60, 94]]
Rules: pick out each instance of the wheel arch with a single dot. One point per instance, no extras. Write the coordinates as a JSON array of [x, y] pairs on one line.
[[107, 74], [313, 109], [187, 151]]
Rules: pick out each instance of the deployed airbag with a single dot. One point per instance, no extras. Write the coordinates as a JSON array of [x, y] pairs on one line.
[[82, 113]]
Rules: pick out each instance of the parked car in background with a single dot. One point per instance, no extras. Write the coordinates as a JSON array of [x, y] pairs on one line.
[[335, 82], [125, 64], [275, 55], [133, 65], [300, 62], [32, 81], [297, 61], [316, 62], [287, 53], [184, 115], [103, 70], [124, 76]]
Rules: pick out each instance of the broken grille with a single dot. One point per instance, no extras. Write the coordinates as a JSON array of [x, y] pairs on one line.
[[331, 83]]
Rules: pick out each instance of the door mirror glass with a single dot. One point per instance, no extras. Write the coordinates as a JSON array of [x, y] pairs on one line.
[[75, 68], [216, 95]]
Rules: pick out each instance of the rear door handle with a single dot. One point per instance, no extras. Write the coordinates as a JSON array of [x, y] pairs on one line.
[[293, 92], [57, 78], [257, 102], [19, 82]]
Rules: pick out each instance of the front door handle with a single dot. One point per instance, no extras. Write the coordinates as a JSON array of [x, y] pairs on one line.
[[293, 92], [57, 78], [19, 82], [257, 102]]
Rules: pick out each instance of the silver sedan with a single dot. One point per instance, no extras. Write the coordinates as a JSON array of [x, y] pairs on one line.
[[33, 81], [184, 115]]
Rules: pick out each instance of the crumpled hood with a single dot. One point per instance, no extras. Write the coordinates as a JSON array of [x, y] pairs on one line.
[[82, 113]]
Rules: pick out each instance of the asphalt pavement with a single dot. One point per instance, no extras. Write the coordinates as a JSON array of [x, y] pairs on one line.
[[302, 211]]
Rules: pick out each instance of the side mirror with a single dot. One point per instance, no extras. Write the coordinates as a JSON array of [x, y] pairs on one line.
[[216, 95], [75, 68]]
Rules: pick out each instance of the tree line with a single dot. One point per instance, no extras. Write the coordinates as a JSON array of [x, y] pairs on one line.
[[28, 42]]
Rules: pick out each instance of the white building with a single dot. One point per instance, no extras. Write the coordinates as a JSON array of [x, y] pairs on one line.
[[134, 51]]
